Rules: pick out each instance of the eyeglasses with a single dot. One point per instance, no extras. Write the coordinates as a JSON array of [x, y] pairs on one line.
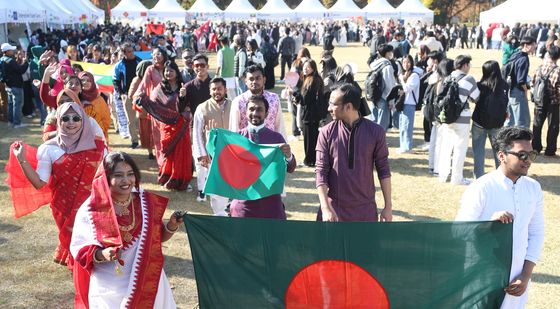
[[200, 65], [524, 155], [74, 118]]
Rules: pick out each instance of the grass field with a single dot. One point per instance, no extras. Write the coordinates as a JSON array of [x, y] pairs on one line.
[[29, 279]]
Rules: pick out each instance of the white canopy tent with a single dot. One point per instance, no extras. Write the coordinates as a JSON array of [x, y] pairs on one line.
[[96, 13], [168, 9], [310, 9], [345, 9], [240, 9], [128, 11], [80, 12], [275, 9], [415, 10], [513, 11], [380, 9], [205, 9]]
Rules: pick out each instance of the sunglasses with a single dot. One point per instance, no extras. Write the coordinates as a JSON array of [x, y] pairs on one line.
[[200, 65], [74, 118], [524, 155]]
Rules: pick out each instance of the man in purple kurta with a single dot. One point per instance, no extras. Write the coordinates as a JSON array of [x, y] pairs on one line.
[[348, 150], [270, 206]]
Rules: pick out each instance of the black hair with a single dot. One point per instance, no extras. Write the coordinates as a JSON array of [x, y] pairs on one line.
[[253, 68], [527, 40], [444, 68], [218, 80], [200, 56], [383, 49], [436, 55], [461, 60], [554, 52], [113, 158], [259, 98], [507, 135], [350, 93]]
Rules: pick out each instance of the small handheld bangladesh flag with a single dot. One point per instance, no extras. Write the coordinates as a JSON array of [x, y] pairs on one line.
[[102, 73], [260, 263], [241, 169]]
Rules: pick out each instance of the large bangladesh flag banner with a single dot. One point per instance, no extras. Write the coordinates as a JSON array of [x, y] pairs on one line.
[[261, 263], [241, 169]]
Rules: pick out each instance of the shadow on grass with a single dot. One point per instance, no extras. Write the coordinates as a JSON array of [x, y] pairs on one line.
[[178, 267], [8, 228], [409, 216], [549, 183], [545, 278]]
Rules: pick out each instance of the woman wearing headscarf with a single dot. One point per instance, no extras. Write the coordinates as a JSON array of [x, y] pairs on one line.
[[117, 241], [152, 78], [64, 165], [94, 104], [144, 122], [48, 95], [171, 118]]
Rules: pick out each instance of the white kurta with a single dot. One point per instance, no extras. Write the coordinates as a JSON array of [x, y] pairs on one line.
[[107, 289], [495, 192]]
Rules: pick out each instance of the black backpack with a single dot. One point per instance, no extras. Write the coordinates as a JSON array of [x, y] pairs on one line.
[[491, 109], [448, 105], [429, 98], [507, 73], [374, 84], [540, 95]]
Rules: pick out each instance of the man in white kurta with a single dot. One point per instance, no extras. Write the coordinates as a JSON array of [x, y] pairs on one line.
[[509, 196]]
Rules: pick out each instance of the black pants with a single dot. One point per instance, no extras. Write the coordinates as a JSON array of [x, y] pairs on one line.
[[549, 112], [269, 74], [295, 129], [427, 130], [310, 136], [285, 60]]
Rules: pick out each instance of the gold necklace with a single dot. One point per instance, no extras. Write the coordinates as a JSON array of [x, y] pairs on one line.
[[127, 228], [121, 208]]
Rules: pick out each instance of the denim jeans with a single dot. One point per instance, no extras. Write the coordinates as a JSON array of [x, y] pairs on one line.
[[518, 109], [382, 114], [39, 104], [406, 127], [15, 103], [479, 135]]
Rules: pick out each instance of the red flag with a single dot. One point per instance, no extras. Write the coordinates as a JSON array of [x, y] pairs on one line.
[[202, 29], [108, 8]]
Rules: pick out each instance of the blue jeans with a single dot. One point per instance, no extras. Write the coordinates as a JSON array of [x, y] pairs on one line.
[[406, 127], [518, 109], [15, 103], [39, 105], [381, 114], [479, 148]]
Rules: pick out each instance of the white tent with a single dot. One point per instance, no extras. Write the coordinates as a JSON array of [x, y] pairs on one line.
[[128, 10], [513, 11], [80, 12], [275, 9], [380, 9], [310, 9], [415, 10], [344, 9], [240, 9], [205, 9], [96, 13], [22, 12], [166, 9]]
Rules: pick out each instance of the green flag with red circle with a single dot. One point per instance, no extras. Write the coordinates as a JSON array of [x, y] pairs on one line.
[[264, 263], [241, 169]]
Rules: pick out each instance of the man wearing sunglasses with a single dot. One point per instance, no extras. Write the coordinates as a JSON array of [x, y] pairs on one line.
[[187, 73], [509, 196]]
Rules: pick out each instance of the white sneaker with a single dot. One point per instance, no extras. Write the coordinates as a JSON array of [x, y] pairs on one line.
[[400, 151], [425, 146], [292, 138], [465, 182]]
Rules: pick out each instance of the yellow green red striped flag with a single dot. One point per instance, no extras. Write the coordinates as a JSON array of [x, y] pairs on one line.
[[102, 73]]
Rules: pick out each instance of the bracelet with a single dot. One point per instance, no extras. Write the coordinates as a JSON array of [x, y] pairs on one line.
[[95, 260], [170, 231]]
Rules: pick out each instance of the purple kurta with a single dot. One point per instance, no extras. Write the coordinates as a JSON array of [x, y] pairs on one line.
[[345, 162], [270, 206]]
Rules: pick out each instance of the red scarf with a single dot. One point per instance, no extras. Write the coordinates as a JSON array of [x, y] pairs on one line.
[[92, 93]]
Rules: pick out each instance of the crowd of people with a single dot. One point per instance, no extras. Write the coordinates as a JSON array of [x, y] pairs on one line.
[[108, 224]]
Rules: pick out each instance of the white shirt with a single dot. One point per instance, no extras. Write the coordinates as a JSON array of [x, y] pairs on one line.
[[495, 192]]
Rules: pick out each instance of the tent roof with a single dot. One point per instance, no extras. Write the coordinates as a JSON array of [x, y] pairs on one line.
[[310, 8], [380, 9], [167, 8], [129, 9], [240, 9], [275, 9], [513, 11], [345, 8], [24, 12], [204, 6], [413, 6]]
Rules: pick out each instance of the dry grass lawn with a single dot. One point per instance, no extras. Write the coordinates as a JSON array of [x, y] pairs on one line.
[[28, 278]]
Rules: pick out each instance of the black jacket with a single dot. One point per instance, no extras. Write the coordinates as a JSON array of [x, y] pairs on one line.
[[12, 72]]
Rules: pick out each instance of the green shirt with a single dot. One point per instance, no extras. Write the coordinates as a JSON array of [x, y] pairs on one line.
[[227, 62]]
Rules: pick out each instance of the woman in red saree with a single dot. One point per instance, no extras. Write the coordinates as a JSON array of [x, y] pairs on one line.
[[66, 164], [172, 118], [117, 243]]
